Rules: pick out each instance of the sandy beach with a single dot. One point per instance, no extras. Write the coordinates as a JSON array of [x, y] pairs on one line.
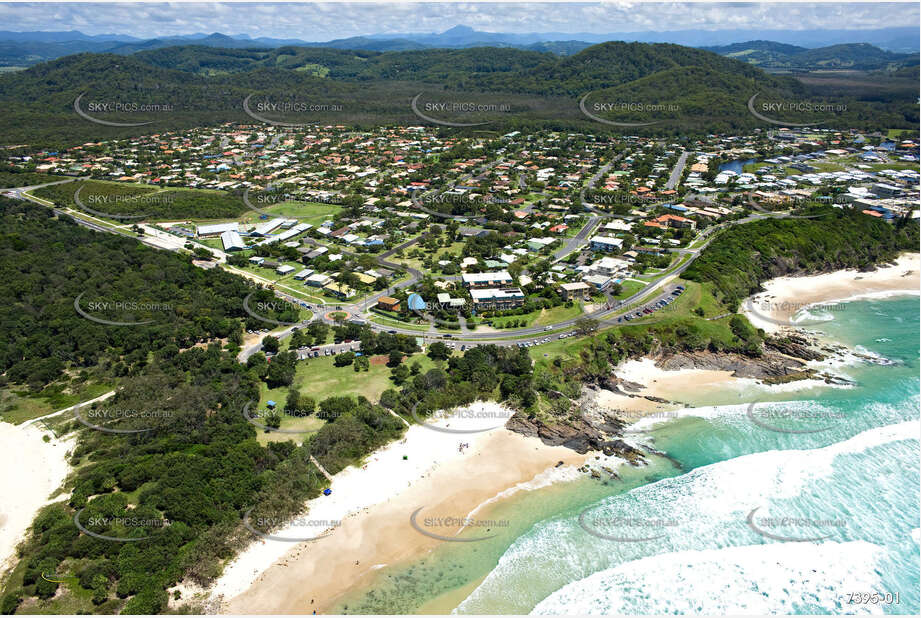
[[36, 469], [687, 387], [785, 297], [275, 576]]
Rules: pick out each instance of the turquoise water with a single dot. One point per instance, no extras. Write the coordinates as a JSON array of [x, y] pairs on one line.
[[754, 520]]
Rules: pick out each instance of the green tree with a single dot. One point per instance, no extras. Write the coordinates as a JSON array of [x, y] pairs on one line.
[[399, 374], [270, 344], [438, 351]]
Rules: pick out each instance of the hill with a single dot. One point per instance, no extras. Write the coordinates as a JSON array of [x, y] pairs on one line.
[[192, 85], [854, 56]]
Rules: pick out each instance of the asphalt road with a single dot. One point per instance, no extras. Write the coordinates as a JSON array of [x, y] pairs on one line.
[[508, 337], [676, 171]]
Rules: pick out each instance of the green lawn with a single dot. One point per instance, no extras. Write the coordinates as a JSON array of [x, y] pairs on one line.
[[895, 133], [319, 378], [695, 295], [557, 314], [385, 321], [314, 213], [416, 262], [629, 288]]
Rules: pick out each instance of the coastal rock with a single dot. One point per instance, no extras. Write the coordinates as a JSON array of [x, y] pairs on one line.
[[624, 451], [577, 434], [768, 365], [795, 346]]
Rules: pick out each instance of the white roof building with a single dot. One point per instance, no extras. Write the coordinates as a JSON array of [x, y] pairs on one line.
[[232, 241], [500, 277], [218, 228], [264, 228]]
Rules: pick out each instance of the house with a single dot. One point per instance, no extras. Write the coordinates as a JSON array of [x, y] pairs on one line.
[[475, 232], [302, 275], [284, 269], [600, 282], [339, 290], [485, 280], [445, 300], [256, 260], [676, 221], [497, 298], [610, 266], [388, 303], [571, 291], [318, 280], [606, 243], [886, 190]]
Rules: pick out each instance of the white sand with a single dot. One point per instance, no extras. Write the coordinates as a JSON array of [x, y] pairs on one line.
[[32, 470], [354, 489], [785, 297]]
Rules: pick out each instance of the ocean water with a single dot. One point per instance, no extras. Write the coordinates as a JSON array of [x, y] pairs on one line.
[[807, 502]]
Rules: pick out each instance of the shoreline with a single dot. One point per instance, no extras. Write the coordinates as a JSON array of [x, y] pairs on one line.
[[784, 298], [41, 469], [278, 577]]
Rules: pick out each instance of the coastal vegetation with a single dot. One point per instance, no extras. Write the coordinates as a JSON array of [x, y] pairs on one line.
[[163, 301], [744, 256]]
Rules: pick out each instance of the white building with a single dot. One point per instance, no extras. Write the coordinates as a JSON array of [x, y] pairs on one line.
[[483, 280], [216, 229], [232, 241]]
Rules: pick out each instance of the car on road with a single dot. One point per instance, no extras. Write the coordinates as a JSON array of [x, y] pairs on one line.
[[548, 328]]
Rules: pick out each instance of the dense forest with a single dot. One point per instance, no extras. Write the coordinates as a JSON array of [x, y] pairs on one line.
[[744, 256], [704, 92], [46, 263]]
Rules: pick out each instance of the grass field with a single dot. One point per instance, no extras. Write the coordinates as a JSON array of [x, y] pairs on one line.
[[695, 295], [440, 253], [629, 288], [385, 321], [319, 378], [314, 213], [557, 314]]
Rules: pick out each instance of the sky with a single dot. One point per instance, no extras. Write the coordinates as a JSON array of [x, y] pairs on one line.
[[326, 21]]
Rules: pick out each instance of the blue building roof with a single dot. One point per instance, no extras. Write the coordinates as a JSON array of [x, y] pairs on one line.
[[415, 303]]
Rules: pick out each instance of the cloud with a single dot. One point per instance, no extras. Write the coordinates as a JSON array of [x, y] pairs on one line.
[[325, 21]]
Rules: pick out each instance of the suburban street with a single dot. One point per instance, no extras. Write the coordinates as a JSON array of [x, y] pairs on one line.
[[361, 310], [678, 169]]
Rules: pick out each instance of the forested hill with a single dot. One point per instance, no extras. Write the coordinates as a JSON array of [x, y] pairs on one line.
[[853, 56], [200, 86], [744, 256]]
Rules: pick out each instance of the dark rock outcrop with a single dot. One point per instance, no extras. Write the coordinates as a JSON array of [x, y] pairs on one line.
[[796, 346], [768, 365]]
